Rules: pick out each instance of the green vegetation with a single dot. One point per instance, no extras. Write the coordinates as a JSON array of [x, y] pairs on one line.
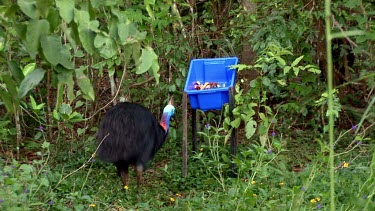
[[304, 112]]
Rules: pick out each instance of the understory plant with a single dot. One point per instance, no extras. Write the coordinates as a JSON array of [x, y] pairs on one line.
[[280, 87], [263, 178]]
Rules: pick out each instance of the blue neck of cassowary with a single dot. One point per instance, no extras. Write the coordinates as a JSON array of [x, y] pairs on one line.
[[168, 112]]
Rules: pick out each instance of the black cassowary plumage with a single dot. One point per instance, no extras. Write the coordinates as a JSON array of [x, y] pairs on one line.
[[129, 134]]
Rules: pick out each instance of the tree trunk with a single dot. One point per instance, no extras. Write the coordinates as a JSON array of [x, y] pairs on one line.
[[248, 55]]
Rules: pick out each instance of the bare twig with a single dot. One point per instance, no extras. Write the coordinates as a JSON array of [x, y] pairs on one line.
[[339, 26], [355, 141], [177, 13], [114, 97], [144, 82], [340, 165], [83, 165]]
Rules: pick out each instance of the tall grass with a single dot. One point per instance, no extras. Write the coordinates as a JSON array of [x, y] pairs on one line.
[[329, 37], [330, 103]]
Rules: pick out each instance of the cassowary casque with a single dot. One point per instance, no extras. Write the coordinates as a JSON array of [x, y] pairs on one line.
[[129, 134]]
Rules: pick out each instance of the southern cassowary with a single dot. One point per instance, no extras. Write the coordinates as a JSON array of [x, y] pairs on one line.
[[129, 134]]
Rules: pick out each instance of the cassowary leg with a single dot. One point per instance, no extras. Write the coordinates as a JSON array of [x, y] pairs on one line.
[[139, 170], [125, 177], [123, 172]]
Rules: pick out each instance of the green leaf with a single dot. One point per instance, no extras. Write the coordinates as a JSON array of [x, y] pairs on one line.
[[53, 17], [7, 100], [129, 34], [4, 123], [10, 85], [96, 3], [106, 45], [172, 88], [277, 145], [30, 81], [66, 9], [29, 8], [9, 95], [35, 30], [225, 158], [352, 3], [16, 71], [314, 70], [286, 69], [86, 29], [78, 104], [136, 53], [266, 81], [228, 136], [44, 7], [45, 145], [295, 62], [139, 36], [2, 43], [123, 32], [66, 82], [28, 68], [264, 118], [152, 2], [55, 52], [65, 109], [84, 84], [253, 83], [81, 131], [56, 115], [155, 68], [296, 70], [284, 52], [281, 82], [34, 105], [59, 94], [263, 140], [236, 123], [75, 117], [71, 37], [148, 8], [44, 182], [26, 168], [280, 60], [146, 60], [250, 128], [271, 54], [241, 67]]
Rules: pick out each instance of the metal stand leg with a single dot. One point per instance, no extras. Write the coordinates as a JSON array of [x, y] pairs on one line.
[[184, 135]]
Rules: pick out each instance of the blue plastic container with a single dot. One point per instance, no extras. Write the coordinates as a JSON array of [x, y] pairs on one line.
[[210, 70]]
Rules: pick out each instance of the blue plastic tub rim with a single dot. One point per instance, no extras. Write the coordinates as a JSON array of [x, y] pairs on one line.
[[191, 91]]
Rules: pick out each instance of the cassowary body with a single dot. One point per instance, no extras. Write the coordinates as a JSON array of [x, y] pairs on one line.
[[129, 134]]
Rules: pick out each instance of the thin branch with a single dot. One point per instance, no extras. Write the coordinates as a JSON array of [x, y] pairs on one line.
[[344, 33], [145, 82], [355, 141], [114, 97], [83, 165]]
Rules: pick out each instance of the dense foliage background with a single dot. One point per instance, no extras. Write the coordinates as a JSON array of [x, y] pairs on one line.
[[65, 62]]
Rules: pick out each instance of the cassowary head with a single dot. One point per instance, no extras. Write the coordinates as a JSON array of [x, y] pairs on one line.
[[168, 112]]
